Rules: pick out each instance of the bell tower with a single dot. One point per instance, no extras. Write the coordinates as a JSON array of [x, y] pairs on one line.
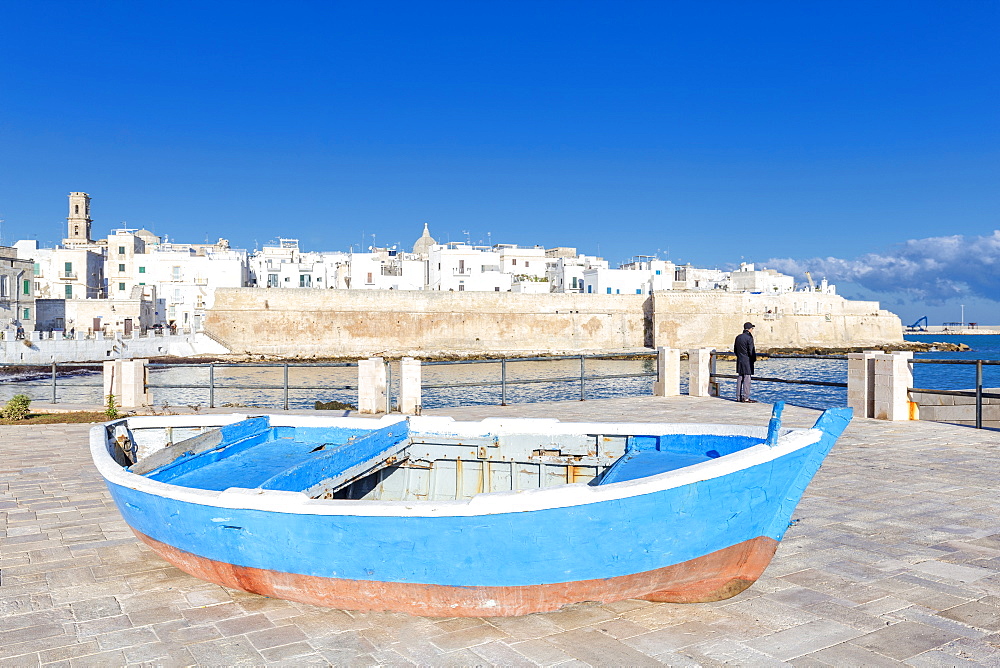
[[78, 222]]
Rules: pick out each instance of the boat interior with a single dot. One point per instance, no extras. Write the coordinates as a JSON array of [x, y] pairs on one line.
[[395, 463]]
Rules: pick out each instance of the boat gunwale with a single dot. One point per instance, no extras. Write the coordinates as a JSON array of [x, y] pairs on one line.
[[492, 503]]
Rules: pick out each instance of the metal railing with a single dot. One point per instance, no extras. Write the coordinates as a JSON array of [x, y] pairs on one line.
[[53, 371], [977, 392], [504, 381], [714, 376], [211, 386]]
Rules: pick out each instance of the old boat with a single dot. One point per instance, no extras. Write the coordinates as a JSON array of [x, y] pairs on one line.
[[436, 517]]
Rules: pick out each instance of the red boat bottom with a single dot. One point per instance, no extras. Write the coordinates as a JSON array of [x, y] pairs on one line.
[[713, 577]]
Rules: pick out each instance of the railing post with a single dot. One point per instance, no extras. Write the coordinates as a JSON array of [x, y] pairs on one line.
[[409, 386], [892, 378], [286, 387], [54, 382], [668, 373], [699, 371], [503, 381], [211, 386], [583, 376], [979, 394], [861, 382], [371, 385]]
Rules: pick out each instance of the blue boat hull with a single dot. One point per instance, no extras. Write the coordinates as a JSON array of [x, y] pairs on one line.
[[682, 538]]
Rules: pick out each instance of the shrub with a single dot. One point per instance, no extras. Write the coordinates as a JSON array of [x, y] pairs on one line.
[[17, 408], [111, 409]]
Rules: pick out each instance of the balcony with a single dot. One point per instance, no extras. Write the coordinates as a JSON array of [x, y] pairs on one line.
[[67, 275]]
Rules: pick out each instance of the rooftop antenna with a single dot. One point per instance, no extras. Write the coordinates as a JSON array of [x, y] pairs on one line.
[[468, 238], [489, 239]]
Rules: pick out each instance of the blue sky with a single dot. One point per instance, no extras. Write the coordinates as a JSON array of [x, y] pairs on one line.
[[709, 132]]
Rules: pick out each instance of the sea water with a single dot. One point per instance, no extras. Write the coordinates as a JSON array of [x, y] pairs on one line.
[[478, 384]]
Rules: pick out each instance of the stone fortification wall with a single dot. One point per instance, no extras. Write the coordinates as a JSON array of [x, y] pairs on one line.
[[353, 323], [360, 323], [793, 319]]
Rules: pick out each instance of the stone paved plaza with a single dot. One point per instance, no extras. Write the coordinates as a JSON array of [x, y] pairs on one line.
[[893, 558]]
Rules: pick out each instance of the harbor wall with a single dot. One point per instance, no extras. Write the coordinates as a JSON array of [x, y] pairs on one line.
[[789, 320], [362, 323]]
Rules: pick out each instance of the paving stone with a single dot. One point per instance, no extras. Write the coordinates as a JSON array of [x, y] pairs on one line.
[[469, 637], [95, 608], [975, 614], [905, 639], [848, 654], [281, 635], [302, 651], [800, 640], [599, 649], [501, 654]]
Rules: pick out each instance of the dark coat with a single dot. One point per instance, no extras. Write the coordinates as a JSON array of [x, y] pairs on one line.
[[746, 354]]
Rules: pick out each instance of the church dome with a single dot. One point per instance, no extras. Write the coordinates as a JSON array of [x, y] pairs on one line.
[[422, 246]]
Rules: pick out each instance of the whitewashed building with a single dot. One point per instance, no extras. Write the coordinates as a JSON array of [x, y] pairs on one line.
[[765, 281], [565, 274], [459, 267], [641, 276]]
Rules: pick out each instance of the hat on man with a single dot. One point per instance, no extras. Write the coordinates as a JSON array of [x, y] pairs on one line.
[[748, 325]]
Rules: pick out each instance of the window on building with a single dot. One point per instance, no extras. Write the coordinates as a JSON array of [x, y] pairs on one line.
[[68, 268], [574, 285], [657, 272], [27, 287], [142, 270], [38, 269], [497, 288], [305, 280], [68, 291], [121, 250], [513, 262], [370, 281], [461, 287], [461, 266], [590, 288], [175, 273], [526, 263], [609, 291], [638, 291], [4, 286], [121, 268], [76, 209], [26, 314], [121, 287], [272, 280]]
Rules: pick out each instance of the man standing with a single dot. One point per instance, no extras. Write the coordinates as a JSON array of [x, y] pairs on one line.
[[746, 355]]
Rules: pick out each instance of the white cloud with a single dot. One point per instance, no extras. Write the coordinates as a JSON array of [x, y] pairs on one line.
[[935, 269]]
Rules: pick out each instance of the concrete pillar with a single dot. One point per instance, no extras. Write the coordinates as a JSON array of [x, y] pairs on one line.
[[892, 377], [371, 385], [699, 370], [79, 336], [127, 380], [668, 373], [861, 382], [99, 335], [409, 386], [34, 336]]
